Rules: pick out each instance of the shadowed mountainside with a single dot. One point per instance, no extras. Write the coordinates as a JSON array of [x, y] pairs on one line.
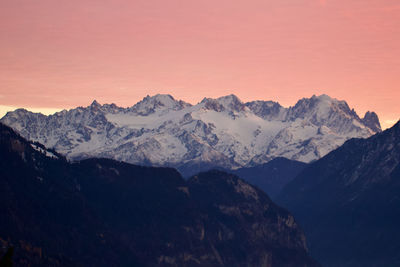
[[100, 212], [272, 176], [348, 202]]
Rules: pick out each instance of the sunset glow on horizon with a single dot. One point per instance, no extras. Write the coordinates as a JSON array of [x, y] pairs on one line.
[[64, 54]]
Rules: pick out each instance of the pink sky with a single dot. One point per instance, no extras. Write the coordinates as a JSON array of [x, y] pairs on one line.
[[62, 54]]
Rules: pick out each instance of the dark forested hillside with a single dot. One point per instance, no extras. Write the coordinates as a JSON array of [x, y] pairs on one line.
[[102, 212], [348, 202]]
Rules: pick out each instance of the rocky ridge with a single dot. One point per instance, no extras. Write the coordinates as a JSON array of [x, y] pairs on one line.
[[222, 132]]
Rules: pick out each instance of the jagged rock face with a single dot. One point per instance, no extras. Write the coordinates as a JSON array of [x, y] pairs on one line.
[[150, 105], [348, 202], [222, 132], [267, 109], [371, 120], [100, 212], [236, 204]]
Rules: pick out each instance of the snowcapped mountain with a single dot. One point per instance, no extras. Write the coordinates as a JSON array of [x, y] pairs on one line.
[[223, 132]]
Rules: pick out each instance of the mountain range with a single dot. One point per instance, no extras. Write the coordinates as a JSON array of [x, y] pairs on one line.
[[348, 202], [223, 132], [336, 172], [101, 212]]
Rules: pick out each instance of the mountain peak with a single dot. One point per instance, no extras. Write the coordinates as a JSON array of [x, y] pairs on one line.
[[230, 97], [323, 97], [151, 104], [321, 105], [212, 104], [229, 102], [327, 100], [371, 120], [95, 104], [159, 97]]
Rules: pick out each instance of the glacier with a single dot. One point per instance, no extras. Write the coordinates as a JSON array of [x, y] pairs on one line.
[[223, 132]]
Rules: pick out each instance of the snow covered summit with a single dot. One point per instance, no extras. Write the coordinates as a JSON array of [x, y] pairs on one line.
[[221, 132]]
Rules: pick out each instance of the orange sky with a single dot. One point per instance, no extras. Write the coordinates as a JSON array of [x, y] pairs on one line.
[[61, 54]]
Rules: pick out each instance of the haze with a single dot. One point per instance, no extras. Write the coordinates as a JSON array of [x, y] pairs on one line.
[[63, 54]]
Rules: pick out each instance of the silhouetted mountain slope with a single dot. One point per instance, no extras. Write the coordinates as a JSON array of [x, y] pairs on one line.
[[100, 212], [243, 221], [43, 214], [348, 202], [271, 177]]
